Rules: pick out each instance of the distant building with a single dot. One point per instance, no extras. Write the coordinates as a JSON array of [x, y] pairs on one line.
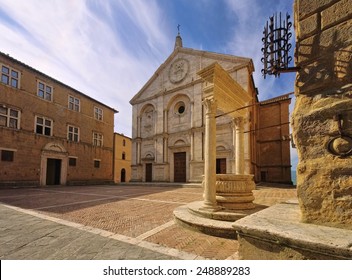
[[51, 134], [122, 158], [169, 123], [273, 160]]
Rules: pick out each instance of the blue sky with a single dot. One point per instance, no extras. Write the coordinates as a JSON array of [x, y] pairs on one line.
[[108, 49]]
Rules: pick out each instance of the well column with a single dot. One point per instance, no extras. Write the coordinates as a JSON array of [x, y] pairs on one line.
[[210, 155], [239, 146]]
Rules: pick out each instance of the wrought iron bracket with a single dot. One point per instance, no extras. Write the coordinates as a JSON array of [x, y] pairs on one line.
[[276, 46]]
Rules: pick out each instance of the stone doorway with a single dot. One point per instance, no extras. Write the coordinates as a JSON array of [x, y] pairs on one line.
[[53, 171], [123, 175], [180, 167], [148, 172], [53, 166]]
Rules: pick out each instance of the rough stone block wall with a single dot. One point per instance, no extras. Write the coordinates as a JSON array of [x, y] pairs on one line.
[[323, 111]]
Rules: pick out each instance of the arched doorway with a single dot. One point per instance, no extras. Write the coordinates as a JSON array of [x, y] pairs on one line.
[[123, 175]]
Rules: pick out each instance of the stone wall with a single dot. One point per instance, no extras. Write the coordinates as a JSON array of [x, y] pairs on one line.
[[273, 141], [322, 118], [122, 157], [28, 146]]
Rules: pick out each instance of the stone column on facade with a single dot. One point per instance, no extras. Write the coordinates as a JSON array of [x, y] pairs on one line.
[[239, 151], [233, 160], [138, 126], [192, 145], [165, 149], [209, 202], [138, 151], [155, 122], [192, 114], [165, 120], [156, 155]]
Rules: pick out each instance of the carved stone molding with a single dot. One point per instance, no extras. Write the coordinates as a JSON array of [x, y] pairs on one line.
[[210, 105], [234, 191]]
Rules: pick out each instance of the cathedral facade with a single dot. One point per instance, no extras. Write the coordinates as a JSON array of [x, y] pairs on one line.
[[169, 120]]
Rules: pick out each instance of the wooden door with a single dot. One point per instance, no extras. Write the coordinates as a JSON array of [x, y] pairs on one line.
[[221, 166], [149, 172], [53, 171], [180, 167]]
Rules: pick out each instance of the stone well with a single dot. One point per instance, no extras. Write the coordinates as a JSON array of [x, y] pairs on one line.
[[235, 192], [234, 201]]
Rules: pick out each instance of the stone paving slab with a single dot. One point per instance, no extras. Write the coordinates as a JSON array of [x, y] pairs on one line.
[[138, 215], [35, 237]]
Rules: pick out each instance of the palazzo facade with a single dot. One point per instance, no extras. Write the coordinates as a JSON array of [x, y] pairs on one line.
[[51, 133], [168, 129]]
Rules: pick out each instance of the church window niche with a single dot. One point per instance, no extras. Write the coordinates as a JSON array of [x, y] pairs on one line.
[[180, 108], [147, 121]]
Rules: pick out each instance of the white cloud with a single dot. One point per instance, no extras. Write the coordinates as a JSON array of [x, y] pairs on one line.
[[84, 47]]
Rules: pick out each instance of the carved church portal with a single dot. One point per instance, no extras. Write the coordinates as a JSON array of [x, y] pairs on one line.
[[180, 167]]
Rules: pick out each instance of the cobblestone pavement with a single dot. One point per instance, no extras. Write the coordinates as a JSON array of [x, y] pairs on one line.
[[111, 222]]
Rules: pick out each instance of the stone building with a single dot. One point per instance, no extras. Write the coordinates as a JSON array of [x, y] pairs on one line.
[[273, 161], [122, 158], [51, 134], [169, 123]]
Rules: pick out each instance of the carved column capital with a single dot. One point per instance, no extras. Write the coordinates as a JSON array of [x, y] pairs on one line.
[[210, 105], [238, 122]]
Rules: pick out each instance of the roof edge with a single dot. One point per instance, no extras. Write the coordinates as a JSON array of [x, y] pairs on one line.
[[54, 80]]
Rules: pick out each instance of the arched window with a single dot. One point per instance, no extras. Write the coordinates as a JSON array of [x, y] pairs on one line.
[[123, 155]]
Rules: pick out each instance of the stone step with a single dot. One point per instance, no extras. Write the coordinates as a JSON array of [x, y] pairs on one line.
[[189, 219]]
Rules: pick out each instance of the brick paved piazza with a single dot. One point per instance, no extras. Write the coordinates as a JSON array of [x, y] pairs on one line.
[[135, 213]]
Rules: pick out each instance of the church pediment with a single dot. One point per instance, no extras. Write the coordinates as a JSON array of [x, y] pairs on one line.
[[180, 69]]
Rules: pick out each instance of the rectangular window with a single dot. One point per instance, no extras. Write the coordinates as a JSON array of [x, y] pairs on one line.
[[43, 126], [10, 76], [98, 113], [72, 161], [72, 133], [74, 103], [97, 139], [97, 163], [44, 91], [7, 155], [9, 117]]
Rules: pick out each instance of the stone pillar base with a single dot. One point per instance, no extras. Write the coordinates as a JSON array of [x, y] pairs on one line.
[[209, 208]]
